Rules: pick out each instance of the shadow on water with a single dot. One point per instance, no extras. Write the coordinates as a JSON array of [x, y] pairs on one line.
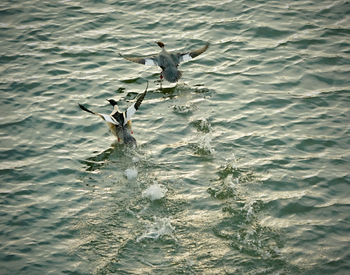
[[117, 152], [179, 88], [169, 90]]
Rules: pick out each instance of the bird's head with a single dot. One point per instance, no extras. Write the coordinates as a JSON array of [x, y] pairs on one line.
[[160, 44], [112, 102]]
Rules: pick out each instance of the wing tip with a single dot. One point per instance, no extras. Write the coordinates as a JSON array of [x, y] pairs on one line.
[[201, 50], [82, 107], [85, 109]]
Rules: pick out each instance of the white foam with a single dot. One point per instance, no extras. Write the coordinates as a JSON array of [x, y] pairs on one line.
[[249, 207], [204, 125], [230, 182], [155, 192], [135, 159], [131, 173], [157, 229], [204, 143]]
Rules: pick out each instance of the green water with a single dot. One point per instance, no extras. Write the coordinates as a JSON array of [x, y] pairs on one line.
[[242, 167]]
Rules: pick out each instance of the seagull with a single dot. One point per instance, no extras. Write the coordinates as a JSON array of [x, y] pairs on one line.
[[120, 123], [168, 62]]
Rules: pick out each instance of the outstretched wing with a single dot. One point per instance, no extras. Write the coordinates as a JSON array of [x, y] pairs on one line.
[[134, 107], [149, 61], [192, 54], [105, 117]]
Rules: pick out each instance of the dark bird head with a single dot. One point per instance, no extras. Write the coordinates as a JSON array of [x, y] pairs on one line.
[[112, 102], [160, 44]]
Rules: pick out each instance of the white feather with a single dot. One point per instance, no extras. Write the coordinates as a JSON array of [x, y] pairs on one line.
[[186, 57], [150, 62], [129, 113], [109, 119]]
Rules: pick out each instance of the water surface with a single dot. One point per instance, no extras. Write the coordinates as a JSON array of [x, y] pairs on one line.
[[241, 168]]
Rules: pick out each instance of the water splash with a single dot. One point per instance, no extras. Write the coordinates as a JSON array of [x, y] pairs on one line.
[[203, 146], [159, 228], [202, 125], [131, 173], [155, 192]]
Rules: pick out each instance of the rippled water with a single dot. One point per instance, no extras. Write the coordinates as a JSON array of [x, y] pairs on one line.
[[241, 168]]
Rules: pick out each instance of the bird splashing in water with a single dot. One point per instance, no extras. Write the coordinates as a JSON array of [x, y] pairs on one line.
[[119, 123]]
